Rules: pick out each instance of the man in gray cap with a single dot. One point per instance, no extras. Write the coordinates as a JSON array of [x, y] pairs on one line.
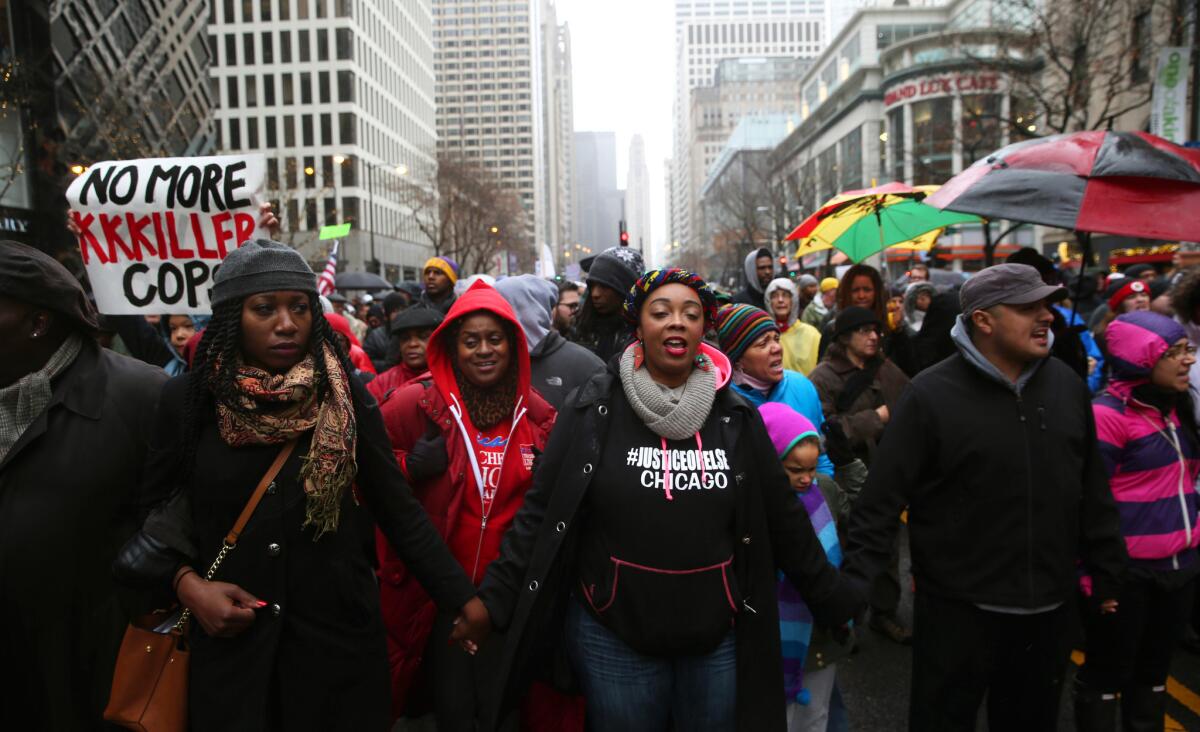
[[994, 453], [74, 423]]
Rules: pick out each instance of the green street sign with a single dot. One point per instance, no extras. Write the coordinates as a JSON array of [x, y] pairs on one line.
[[340, 231]]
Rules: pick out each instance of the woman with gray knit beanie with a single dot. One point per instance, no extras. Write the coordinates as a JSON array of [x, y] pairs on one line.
[[287, 634], [644, 555]]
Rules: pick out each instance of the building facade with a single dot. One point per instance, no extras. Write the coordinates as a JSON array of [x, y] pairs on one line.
[[707, 32], [637, 200], [339, 96], [86, 81], [598, 212], [489, 66], [559, 125]]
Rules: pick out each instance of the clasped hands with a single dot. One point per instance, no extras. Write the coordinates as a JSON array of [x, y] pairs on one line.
[[472, 626]]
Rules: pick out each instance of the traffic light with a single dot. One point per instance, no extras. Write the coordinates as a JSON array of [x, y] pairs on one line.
[[622, 234]]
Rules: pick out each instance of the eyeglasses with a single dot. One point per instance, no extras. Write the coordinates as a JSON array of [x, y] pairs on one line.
[[1180, 352], [868, 328], [572, 306]]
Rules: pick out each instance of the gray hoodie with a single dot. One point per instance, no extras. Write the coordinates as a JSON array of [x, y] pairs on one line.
[[968, 350], [533, 300]]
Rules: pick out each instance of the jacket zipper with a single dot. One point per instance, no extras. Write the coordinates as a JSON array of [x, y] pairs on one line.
[[1028, 498]]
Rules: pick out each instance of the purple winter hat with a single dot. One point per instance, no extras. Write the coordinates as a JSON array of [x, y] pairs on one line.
[[786, 426]]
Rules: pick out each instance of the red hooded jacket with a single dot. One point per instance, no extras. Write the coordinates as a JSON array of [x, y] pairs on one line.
[[452, 499], [358, 357]]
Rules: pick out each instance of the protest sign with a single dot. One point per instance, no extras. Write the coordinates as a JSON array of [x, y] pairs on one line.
[[152, 232]]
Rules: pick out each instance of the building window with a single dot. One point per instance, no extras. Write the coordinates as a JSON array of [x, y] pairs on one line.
[[345, 44], [284, 8], [269, 90], [272, 141], [231, 89], [933, 140], [285, 46], [248, 48], [235, 134], [323, 87], [289, 133], [345, 82], [980, 126], [230, 49], [302, 9], [327, 129], [347, 125], [852, 160], [306, 87], [288, 98], [306, 131], [251, 92], [302, 43], [310, 171], [895, 132], [268, 49], [322, 45], [1142, 48], [252, 134]]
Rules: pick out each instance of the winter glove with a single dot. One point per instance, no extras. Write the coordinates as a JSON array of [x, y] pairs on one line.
[[427, 458], [837, 445]]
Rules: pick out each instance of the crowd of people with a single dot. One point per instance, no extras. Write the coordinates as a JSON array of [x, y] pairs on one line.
[[632, 503]]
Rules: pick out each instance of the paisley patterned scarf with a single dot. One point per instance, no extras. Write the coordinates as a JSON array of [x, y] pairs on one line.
[[275, 408]]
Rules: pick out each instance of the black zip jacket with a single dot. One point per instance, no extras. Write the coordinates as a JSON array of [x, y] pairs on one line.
[[1006, 492], [527, 587]]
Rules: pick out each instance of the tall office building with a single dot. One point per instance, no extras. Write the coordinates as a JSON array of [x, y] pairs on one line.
[[94, 80], [599, 201], [707, 32], [339, 96], [488, 61], [559, 127], [637, 199]]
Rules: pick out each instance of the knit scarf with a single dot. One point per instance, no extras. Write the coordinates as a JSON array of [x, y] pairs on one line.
[[488, 407], [23, 401], [795, 618], [275, 408], [741, 378], [674, 421]]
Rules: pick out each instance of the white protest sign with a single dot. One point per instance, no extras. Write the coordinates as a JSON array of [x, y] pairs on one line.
[[152, 232]]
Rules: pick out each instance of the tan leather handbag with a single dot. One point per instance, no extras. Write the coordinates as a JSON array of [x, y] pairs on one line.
[[150, 681]]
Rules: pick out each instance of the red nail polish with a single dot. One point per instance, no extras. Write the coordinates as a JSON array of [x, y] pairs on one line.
[[262, 603]]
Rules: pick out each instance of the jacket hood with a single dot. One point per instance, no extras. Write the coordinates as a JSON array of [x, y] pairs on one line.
[[783, 283], [972, 355], [479, 297], [532, 299], [749, 270], [914, 318], [1136, 341], [341, 325], [847, 281], [785, 426]]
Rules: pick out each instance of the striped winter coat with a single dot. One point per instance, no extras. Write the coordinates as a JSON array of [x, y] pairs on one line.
[[1152, 462]]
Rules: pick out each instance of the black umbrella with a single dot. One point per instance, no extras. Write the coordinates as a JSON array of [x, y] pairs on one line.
[[361, 281]]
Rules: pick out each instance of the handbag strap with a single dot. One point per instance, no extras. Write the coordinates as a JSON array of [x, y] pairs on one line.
[[231, 538]]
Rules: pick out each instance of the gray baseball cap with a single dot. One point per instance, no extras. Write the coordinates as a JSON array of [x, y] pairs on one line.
[[1006, 284]]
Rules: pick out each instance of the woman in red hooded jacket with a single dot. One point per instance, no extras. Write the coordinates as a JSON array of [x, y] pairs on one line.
[[358, 357], [466, 439]]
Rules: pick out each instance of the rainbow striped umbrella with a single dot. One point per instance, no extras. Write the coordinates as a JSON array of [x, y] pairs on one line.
[[862, 223]]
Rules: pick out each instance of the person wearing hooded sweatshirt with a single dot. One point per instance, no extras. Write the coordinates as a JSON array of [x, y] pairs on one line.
[[1151, 453], [822, 305], [994, 453], [810, 654], [800, 341], [759, 268], [466, 438], [557, 366], [600, 327], [750, 339], [411, 330], [647, 548], [862, 287], [918, 297]]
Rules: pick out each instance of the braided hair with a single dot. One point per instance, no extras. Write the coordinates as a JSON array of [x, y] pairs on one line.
[[213, 373]]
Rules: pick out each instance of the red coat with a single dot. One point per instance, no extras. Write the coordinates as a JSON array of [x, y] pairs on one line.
[[408, 413], [390, 380]]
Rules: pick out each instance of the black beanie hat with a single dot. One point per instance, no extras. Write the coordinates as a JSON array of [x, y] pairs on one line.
[[853, 318], [415, 318], [261, 265], [616, 267]]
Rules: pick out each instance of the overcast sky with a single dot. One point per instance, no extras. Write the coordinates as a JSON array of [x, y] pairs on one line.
[[624, 76]]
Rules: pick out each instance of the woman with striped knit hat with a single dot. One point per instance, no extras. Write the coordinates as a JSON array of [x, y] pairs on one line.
[[1148, 441]]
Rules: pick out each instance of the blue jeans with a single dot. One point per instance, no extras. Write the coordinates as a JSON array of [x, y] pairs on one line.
[[629, 692]]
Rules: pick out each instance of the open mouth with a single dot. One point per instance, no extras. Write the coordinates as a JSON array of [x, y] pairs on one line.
[[1041, 336], [675, 347], [485, 366], [776, 366]]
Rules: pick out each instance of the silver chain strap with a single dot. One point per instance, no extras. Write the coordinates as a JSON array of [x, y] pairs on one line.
[[186, 615]]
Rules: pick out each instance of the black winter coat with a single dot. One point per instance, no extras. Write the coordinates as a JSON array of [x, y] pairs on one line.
[[316, 657], [557, 367], [1004, 492], [69, 499], [526, 589]]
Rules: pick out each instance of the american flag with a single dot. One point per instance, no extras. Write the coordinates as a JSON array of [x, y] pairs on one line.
[[325, 283]]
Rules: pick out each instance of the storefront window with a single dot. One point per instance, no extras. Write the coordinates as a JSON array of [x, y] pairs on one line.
[[980, 126], [933, 141], [895, 132], [828, 167]]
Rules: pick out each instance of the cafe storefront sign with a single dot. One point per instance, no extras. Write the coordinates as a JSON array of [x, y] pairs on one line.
[[942, 85]]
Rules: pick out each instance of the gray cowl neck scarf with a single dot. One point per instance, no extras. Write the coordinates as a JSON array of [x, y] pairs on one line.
[[664, 417], [22, 402]]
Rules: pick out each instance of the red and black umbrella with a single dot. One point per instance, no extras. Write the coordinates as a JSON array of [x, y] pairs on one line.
[[1125, 183]]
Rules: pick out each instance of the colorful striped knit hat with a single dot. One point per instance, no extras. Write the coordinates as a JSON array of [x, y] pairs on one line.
[[656, 278], [738, 326], [1136, 341]]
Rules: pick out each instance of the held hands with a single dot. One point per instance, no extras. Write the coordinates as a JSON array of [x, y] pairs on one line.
[[1108, 607], [472, 626], [222, 609]]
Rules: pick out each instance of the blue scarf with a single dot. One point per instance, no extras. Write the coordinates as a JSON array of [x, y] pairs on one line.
[[795, 619]]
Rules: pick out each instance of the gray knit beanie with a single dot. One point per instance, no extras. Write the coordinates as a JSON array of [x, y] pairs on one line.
[[261, 265]]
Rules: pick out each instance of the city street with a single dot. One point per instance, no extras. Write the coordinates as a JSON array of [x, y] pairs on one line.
[[875, 682]]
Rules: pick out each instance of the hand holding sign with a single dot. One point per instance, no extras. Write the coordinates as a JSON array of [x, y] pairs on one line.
[[152, 232]]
